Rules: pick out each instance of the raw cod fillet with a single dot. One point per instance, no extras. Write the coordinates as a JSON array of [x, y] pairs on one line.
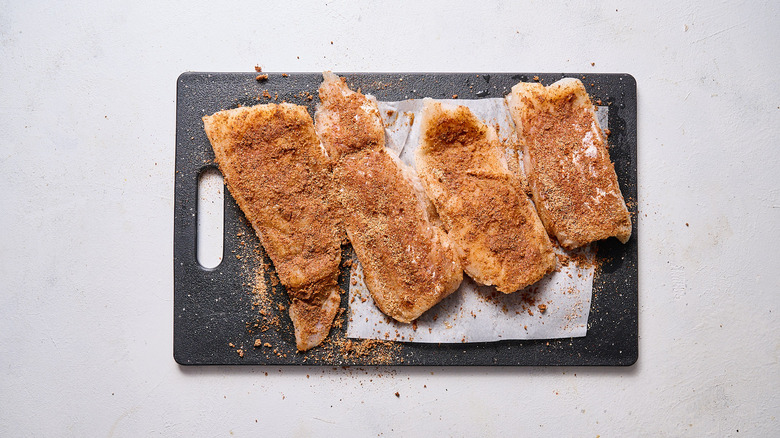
[[280, 177], [409, 264], [572, 179], [491, 221]]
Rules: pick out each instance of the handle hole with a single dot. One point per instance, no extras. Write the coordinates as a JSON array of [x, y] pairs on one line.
[[211, 218]]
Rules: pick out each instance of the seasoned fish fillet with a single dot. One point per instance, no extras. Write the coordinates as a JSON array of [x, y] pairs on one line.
[[409, 265], [572, 179], [280, 177], [491, 221]]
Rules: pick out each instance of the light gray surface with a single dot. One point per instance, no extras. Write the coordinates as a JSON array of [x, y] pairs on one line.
[[87, 99]]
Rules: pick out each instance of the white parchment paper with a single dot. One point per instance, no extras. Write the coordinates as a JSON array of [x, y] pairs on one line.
[[555, 307]]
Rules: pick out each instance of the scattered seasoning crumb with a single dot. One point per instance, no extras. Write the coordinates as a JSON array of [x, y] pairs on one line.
[[397, 394], [686, 224], [542, 307], [284, 75], [592, 64], [258, 343], [331, 42], [536, 78], [267, 345], [240, 352], [262, 77], [232, 345], [454, 96], [258, 68]]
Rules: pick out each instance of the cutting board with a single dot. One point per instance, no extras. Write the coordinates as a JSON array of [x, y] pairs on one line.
[[215, 319]]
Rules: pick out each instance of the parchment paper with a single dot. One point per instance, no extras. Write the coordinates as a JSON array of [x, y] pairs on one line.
[[555, 307]]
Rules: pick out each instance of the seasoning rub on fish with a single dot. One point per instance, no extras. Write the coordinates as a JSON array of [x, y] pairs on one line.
[[572, 179], [409, 264], [279, 175], [491, 221]]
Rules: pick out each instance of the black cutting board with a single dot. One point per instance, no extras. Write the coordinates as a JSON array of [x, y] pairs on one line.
[[213, 312]]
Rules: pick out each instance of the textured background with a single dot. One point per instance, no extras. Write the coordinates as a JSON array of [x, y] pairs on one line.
[[87, 120]]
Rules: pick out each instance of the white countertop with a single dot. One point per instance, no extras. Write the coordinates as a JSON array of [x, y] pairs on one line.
[[87, 113]]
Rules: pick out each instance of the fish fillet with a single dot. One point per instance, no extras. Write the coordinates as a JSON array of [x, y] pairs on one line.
[[280, 177], [409, 264], [491, 221], [572, 179]]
